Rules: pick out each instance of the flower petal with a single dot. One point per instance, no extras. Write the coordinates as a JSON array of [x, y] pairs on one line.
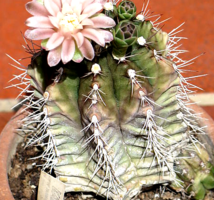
[[100, 1], [87, 22], [54, 21], [73, 3], [55, 40], [52, 7], [92, 9], [107, 35], [38, 22], [93, 35], [58, 3], [87, 49], [77, 8], [68, 49], [38, 34], [36, 9], [103, 22], [65, 2], [85, 3], [82, 17], [79, 39], [54, 56]]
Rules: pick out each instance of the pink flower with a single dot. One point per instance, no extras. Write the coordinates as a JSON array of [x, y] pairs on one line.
[[67, 28]]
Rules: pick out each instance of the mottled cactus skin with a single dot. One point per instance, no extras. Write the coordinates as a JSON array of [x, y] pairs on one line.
[[119, 131]]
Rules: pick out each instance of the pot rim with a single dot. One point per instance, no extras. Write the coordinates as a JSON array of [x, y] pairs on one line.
[[9, 140]]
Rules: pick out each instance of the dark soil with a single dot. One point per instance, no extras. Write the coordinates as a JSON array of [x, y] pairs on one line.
[[25, 172]]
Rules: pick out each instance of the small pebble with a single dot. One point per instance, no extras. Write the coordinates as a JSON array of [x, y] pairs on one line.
[[29, 167], [33, 186]]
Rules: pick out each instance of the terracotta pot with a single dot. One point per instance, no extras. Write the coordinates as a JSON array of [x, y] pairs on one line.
[[9, 140]]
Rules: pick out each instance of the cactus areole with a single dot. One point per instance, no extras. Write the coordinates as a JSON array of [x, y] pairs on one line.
[[107, 98]]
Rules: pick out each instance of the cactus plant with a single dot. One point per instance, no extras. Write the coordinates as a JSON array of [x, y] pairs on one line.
[[107, 98]]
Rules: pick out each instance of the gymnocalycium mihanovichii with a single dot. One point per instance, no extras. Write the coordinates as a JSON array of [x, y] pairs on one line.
[[107, 98]]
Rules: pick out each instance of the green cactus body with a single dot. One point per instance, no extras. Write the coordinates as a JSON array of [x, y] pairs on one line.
[[124, 161], [116, 124], [125, 140]]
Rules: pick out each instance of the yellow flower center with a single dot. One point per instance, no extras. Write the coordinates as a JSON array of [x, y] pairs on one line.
[[69, 23], [69, 20]]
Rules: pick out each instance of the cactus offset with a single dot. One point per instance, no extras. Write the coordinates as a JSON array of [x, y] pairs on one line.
[[113, 116]]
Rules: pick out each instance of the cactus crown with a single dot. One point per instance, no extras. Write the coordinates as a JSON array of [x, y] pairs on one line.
[[109, 101], [126, 10]]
